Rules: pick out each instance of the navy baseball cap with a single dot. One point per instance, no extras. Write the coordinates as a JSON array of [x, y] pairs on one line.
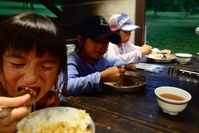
[[96, 27]]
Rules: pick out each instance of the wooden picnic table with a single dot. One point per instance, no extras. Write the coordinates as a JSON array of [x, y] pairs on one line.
[[139, 112]]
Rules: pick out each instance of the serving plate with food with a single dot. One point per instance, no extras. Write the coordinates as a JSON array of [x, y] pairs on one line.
[[132, 82], [160, 58], [57, 120]]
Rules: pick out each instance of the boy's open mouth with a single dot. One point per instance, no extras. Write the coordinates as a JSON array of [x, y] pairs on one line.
[[34, 92]]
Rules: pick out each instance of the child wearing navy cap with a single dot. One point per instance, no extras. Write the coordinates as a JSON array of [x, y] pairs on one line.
[[87, 67], [126, 51]]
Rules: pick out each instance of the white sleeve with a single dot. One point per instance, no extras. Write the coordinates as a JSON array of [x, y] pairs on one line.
[[131, 53]]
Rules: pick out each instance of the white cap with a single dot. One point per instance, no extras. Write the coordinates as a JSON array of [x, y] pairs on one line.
[[121, 21]]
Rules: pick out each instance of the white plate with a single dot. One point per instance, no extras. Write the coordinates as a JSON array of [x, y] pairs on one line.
[[51, 116], [152, 58]]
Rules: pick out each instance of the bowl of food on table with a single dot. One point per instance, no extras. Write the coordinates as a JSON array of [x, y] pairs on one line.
[[57, 120], [183, 58], [172, 100], [160, 58], [132, 81]]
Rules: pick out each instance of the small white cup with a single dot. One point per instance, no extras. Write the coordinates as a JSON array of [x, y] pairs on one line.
[[172, 107], [183, 58]]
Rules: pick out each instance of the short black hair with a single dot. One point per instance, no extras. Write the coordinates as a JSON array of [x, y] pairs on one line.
[[25, 31]]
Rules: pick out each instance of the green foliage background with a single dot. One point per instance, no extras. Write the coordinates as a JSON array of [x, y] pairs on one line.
[[173, 30], [165, 30]]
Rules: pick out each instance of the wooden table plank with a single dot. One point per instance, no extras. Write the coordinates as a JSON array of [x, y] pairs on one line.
[[138, 111], [140, 106], [111, 123]]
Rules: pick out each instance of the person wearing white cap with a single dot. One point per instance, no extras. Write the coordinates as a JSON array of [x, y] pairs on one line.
[[126, 51]]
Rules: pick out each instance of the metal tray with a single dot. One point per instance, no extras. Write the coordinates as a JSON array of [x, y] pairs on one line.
[[163, 60], [110, 85]]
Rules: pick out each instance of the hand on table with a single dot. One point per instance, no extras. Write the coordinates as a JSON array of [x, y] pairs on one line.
[[164, 51], [8, 123]]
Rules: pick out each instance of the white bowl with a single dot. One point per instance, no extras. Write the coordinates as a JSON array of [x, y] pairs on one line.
[[197, 31], [50, 117], [183, 58], [170, 106]]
